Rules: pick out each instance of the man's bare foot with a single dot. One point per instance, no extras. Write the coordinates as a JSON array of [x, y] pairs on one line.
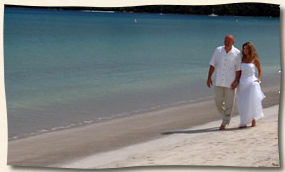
[[222, 127], [242, 127], [253, 123]]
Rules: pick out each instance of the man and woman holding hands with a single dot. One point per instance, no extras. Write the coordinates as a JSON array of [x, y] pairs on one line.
[[235, 76]]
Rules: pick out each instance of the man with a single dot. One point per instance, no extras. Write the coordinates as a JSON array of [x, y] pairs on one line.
[[226, 61]]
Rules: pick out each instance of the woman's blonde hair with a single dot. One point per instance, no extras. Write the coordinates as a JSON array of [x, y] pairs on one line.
[[252, 50]]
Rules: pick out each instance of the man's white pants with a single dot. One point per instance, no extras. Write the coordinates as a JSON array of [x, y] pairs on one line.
[[225, 99]]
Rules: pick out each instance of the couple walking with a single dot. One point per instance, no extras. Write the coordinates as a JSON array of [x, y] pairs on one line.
[[237, 70]]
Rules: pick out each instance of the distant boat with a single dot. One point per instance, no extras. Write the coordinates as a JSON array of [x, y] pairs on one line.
[[213, 15], [135, 20]]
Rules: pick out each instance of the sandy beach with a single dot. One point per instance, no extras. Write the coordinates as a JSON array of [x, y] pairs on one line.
[[203, 145], [181, 135]]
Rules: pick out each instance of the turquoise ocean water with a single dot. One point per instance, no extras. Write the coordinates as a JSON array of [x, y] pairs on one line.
[[69, 68]]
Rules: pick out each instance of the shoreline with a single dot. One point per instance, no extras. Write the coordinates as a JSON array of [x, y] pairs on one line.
[[268, 89], [133, 113], [62, 146], [101, 137]]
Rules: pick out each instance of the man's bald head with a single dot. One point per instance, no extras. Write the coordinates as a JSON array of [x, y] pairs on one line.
[[229, 42]]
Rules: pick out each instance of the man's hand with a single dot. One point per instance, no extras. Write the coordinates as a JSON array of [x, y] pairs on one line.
[[209, 82], [234, 84]]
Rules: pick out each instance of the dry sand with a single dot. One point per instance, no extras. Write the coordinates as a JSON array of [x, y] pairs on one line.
[[202, 145]]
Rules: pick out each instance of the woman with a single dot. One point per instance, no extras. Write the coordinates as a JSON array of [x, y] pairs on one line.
[[249, 94]]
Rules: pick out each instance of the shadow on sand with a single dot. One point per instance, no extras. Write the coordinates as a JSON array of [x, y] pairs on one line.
[[206, 130]]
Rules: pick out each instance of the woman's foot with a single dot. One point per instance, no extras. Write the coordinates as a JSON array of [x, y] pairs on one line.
[[253, 123], [244, 126]]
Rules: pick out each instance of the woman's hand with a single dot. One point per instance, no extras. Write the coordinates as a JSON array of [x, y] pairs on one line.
[[257, 81]]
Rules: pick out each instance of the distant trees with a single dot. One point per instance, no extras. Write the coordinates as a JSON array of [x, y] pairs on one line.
[[239, 9], [236, 9]]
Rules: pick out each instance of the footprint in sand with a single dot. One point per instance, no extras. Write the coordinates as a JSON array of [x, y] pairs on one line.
[[150, 161], [149, 158]]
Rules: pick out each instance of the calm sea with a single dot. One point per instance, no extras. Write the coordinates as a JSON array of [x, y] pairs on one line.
[[69, 68]]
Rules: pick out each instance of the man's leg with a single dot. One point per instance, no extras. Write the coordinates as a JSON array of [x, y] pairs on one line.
[[229, 103], [219, 100]]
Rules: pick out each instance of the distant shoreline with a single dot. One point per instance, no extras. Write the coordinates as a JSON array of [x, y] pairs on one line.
[[236, 9]]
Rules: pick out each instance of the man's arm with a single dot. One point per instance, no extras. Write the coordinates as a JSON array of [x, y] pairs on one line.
[[236, 81], [211, 71], [238, 72]]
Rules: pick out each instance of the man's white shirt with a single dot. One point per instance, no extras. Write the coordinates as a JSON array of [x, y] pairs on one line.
[[226, 65]]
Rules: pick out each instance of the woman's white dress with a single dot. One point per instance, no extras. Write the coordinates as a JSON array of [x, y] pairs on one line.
[[249, 95]]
